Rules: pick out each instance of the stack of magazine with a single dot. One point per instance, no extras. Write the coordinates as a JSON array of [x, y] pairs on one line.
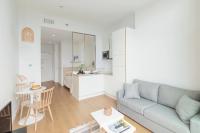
[[119, 127]]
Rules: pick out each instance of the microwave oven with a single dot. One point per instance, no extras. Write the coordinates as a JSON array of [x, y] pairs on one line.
[[105, 55]]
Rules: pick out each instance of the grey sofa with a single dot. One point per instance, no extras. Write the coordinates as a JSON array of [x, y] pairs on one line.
[[155, 109]]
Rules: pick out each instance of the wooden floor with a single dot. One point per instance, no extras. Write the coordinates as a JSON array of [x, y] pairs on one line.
[[69, 113]]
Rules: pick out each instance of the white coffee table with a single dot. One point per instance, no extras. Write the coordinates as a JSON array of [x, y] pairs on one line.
[[105, 121]]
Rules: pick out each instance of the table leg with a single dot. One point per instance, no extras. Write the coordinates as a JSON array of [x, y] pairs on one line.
[[31, 119]]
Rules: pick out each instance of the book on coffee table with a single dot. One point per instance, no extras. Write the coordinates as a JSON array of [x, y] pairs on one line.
[[119, 126]]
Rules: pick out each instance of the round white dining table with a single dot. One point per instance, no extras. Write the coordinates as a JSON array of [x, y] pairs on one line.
[[33, 93]]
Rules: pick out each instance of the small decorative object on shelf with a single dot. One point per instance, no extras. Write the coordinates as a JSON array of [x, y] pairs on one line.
[[81, 69], [108, 111], [27, 35]]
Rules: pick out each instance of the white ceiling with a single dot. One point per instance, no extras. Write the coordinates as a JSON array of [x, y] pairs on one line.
[[101, 12], [54, 36]]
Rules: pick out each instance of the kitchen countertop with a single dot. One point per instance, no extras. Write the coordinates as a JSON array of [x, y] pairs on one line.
[[89, 74]]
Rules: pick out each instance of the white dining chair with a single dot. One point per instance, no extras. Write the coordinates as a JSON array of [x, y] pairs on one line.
[[24, 99], [42, 104]]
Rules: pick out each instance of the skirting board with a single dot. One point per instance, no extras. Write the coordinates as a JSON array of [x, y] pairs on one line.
[[109, 95], [90, 96]]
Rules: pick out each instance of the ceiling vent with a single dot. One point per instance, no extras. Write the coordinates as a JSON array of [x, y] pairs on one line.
[[48, 21]]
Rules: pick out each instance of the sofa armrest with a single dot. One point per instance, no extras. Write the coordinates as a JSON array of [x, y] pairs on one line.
[[195, 124], [120, 94]]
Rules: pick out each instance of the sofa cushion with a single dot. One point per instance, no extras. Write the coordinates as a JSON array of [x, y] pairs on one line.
[[131, 91], [187, 108], [167, 118], [169, 96], [148, 90], [137, 105]]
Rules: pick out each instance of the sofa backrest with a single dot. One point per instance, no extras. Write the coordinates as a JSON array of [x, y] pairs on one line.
[[148, 90], [169, 96]]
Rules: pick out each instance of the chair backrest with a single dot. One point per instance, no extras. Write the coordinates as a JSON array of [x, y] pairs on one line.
[[22, 82], [21, 79], [21, 86], [46, 97]]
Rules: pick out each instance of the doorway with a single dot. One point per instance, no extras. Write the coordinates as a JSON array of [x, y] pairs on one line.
[[55, 52], [47, 63]]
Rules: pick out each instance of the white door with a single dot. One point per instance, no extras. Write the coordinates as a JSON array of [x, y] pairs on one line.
[[47, 63], [118, 64]]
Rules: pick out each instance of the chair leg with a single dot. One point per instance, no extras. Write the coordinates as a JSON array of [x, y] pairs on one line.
[[21, 111], [36, 112], [50, 112], [43, 110], [28, 113]]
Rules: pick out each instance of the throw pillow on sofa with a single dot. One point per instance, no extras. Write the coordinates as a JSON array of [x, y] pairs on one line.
[[187, 108], [131, 91]]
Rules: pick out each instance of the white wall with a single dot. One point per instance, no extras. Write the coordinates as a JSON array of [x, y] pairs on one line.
[[165, 47], [127, 21], [107, 45], [57, 62], [8, 52], [198, 35], [29, 54]]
